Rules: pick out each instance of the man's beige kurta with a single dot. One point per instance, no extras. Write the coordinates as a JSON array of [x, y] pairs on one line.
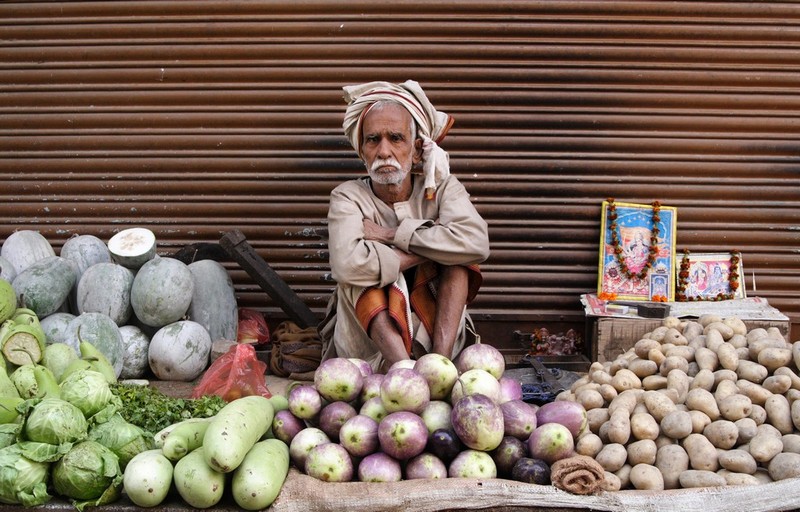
[[446, 229]]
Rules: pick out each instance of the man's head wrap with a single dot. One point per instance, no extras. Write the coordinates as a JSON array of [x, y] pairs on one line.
[[432, 125]]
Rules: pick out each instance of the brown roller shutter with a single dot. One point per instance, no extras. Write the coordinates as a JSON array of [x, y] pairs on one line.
[[195, 118]]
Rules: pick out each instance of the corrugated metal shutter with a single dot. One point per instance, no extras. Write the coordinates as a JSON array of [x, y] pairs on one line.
[[195, 118]]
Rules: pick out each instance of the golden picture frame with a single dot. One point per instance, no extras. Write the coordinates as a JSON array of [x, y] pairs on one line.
[[710, 276], [637, 251]]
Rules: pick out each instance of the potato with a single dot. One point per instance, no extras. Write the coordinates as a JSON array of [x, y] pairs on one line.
[[703, 379], [646, 477], [713, 339], [642, 451], [693, 478], [644, 426], [608, 393], [619, 427], [684, 351], [792, 395], [624, 475], [692, 330], [612, 457], [791, 443], [752, 371], [766, 428], [671, 461], [795, 411], [727, 356], [732, 478], [590, 399], [659, 404], [658, 333], [656, 355], [678, 380], [626, 400], [595, 418], [762, 475], [611, 482], [791, 374], [758, 414], [747, 429], [773, 358], [784, 465], [777, 384], [699, 421], [736, 324], [755, 334], [589, 444], [738, 461], [699, 399], [763, 447], [779, 413], [723, 374], [722, 433], [674, 336], [755, 392], [738, 341], [725, 389], [693, 369], [677, 424], [600, 377], [643, 347], [796, 353], [709, 318], [620, 363], [724, 330], [672, 322], [735, 407], [757, 346], [706, 358], [625, 379], [653, 382], [702, 454], [643, 367]]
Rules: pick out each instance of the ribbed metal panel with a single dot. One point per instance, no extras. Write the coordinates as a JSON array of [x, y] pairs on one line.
[[195, 118]]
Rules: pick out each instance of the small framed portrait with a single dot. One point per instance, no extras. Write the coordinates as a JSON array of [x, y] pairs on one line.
[[710, 276], [637, 251]]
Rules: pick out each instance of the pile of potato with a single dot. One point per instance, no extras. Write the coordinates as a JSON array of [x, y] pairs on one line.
[[696, 403]]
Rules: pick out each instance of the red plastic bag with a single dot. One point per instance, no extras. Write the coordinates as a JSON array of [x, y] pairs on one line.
[[253, 327], [235, 374]]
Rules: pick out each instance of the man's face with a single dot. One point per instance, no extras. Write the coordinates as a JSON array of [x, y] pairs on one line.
[[387, 148]]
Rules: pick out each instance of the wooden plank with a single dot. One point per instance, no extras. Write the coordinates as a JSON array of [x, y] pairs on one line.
[[236, 245]]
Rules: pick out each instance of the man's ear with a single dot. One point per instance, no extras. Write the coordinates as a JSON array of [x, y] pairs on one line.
[[417, 158]]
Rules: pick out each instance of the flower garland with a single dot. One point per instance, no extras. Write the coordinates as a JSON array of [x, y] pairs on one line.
[[653, 250], [683, 276]]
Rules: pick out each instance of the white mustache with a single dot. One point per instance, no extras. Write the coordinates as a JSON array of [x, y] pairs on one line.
[[383, 163]]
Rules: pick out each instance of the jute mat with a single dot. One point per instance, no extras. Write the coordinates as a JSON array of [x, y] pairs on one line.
[[302, 493]]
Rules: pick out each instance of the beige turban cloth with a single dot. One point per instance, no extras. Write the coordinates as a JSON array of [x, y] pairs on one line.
[[432, 125]]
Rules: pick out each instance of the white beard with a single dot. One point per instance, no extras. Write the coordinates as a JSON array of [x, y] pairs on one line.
[[394, 177]]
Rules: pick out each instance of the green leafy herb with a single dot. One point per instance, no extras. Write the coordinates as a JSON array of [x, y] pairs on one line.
[[152, 410]]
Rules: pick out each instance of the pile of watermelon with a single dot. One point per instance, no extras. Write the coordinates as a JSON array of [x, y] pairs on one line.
[[147, 314]]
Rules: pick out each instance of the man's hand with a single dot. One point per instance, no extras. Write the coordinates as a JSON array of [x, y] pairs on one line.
[[378, 233]]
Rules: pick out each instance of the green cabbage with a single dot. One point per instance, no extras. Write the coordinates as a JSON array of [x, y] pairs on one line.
[[123, 438], [87, 472], [54, 421], [88, 390], [22, 481]]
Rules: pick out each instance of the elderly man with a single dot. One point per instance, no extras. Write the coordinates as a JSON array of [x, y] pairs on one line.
[[404, 247]]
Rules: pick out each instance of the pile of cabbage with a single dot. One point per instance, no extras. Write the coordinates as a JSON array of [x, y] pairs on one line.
[[73, 444]]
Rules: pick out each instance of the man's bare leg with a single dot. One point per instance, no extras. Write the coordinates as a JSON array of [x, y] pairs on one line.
[[383, 332], [451, 298]]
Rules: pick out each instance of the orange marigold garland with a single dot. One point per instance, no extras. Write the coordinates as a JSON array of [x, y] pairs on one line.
[[615, 242], [683, 277]]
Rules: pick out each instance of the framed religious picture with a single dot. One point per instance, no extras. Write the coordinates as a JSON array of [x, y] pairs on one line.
[[710, 276], [637, 251]]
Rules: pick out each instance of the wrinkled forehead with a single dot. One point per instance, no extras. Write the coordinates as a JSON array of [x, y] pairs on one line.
[[386, 114]]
